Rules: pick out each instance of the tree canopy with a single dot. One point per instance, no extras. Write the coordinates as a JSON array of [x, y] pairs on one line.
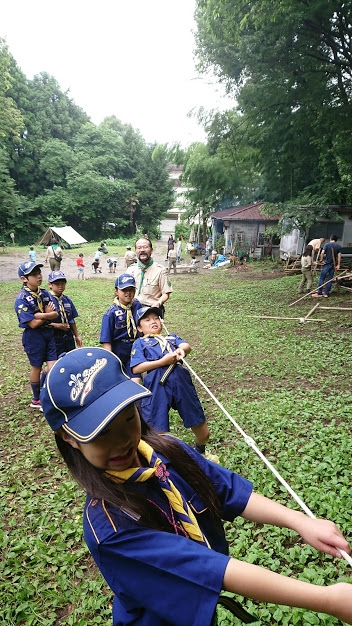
[[57, 167], [289, 67]]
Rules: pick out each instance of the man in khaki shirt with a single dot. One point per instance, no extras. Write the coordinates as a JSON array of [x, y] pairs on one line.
[[152, 284]]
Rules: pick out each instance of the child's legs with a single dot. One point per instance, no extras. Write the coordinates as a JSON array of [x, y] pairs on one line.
[[201, 433], [187, 403], [34, 374], [309, 277]]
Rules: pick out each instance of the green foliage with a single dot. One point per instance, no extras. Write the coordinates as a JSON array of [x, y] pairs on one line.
[[57, 164], [286, 385], [290, 68], [182, 229]]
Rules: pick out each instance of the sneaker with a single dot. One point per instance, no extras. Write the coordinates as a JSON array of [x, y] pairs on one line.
[[317, 295], [325, 295], [212, 457], [36, 404]]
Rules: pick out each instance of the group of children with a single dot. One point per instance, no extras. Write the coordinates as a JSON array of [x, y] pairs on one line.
[[154, 508]]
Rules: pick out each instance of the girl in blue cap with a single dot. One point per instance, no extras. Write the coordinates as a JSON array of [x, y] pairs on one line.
[[154, 508], [119, 325]]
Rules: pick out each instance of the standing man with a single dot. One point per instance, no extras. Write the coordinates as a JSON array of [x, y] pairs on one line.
[[130, 257], [152, 284], [54, 255], [316, 245], [331, 257]]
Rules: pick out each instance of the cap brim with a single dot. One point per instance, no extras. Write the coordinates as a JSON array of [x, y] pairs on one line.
[[86, 426]]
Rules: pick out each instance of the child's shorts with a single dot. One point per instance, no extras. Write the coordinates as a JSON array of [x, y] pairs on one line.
[[39, 345]]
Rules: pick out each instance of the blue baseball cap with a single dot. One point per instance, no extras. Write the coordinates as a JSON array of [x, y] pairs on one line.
[[28, 267], [56, 275], [124, 281], [145, 310], [84, 390]]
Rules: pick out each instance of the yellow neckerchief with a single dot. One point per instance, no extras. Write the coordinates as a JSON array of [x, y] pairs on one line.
[[177, 502], [162, 341], [37, 295], [62, 311], [131, 325], [143, 269]]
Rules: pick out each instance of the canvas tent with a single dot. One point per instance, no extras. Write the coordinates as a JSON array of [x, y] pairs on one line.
[[64, 235]]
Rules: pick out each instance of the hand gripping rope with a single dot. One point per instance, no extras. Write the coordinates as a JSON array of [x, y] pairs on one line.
[[251, 443]]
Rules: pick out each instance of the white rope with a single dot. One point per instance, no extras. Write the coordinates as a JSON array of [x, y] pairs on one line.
[[251, 443]]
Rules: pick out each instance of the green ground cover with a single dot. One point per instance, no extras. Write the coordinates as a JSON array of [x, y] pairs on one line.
[[288, 386]]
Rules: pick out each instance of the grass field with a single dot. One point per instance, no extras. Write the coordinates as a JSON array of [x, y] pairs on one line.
[[288, 385]]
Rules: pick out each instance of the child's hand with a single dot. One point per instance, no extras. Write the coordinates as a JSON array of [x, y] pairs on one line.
[[324, 536], [180, 353], [50, 307], [170, 358]]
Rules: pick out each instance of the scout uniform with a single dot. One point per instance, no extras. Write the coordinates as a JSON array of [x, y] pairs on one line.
[[175, 391], [66, 314], [38, 343], [151, 282], [128, 553], [119, 328]]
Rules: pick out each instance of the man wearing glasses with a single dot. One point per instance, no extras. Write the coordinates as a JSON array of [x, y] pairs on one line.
[[152, 284]]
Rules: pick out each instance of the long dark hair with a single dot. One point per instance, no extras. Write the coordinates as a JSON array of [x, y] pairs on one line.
[[124, 495]]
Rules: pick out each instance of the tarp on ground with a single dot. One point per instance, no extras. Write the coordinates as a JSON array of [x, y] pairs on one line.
[[65, 234]]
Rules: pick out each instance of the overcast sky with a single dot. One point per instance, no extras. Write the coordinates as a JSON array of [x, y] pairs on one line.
[[129, 58]]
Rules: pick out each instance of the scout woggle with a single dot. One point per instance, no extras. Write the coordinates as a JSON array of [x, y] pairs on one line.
[[251, 443]]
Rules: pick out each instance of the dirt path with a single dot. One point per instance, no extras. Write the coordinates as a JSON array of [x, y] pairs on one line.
[[10, 260]]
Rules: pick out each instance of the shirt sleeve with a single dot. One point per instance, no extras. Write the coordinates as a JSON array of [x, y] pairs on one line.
[[137, 354], [107, 328]]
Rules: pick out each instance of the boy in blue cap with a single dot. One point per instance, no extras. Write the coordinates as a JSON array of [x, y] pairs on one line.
[[159, 358], [154, 508], [118, 326], [35, 311], [66, 333]]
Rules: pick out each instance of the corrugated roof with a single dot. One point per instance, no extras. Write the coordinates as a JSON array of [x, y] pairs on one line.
[[250, 212]]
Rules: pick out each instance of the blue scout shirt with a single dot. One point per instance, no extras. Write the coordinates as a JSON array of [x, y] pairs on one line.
[[160, 578], [26, 306], [70, 309], [114, 331]]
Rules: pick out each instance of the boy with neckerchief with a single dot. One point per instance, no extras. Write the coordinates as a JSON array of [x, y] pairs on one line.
[[35, 311]]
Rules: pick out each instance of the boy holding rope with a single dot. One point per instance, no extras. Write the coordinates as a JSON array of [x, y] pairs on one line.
[[159, 358]]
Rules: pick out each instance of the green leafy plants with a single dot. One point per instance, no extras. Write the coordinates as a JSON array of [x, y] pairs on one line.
[[286, 385]]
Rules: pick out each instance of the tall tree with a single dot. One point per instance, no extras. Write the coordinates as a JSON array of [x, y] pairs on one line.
[[290, 66]]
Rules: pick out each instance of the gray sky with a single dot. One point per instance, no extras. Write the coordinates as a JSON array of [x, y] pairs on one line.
[[132, 59]]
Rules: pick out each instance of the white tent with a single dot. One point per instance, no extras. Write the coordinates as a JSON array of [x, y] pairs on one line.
[[65, 234]]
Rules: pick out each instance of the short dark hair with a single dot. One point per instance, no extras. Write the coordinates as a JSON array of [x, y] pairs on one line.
[[146, 239], [333, 237]]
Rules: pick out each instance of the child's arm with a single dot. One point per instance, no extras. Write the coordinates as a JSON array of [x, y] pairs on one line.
[[148, 366], [263, 585], [50, 313], [77, 336], [182, 350], [319, 533]]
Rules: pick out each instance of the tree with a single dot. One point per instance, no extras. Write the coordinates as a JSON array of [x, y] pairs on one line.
[[290, 66]]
